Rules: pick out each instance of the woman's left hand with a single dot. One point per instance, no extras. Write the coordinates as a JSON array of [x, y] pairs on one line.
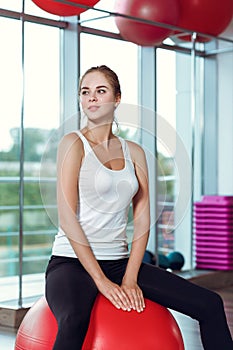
[[134, 294]]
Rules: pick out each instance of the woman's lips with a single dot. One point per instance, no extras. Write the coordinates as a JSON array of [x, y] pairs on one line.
[[93, 108]]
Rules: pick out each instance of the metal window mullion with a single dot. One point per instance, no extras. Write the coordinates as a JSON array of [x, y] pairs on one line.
[[32, 18]]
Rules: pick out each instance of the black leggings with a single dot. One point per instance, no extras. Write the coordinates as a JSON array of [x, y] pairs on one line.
[[71, 292]]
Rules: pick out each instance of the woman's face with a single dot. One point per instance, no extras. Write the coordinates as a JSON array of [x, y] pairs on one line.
[[97, 97]]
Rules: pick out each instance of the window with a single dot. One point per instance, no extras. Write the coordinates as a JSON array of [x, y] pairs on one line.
[[41, 117], [32, 9], [100, 19], [166, 114], [10, 111], [15, 5], [30, 106]]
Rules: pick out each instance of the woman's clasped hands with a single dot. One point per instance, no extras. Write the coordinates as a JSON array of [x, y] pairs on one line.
[[126, 297]]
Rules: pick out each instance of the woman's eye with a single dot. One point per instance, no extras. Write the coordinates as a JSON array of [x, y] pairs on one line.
[[101, 91], [84, 92]]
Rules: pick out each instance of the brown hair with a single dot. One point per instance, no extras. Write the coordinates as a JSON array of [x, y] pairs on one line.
[[109, 74]]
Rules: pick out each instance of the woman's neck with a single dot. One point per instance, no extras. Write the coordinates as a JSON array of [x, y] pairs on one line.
[[99, 134]]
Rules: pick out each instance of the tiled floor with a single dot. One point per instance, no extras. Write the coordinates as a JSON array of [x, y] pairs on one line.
[[188, 326]]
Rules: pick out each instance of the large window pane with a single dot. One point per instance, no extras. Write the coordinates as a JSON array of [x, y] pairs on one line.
[[32, 9], [180, 162], [10, 82], [100, 20], [166, 110], [41, 117], [10, 112], [14, 5]]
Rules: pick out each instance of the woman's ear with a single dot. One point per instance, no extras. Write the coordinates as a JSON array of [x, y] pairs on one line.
[[118, 100]]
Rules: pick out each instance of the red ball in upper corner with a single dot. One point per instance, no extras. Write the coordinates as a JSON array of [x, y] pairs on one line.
[[205, 16], [64, 10], [161, 11]]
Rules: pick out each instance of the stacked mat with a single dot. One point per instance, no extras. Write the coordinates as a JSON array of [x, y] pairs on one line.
[[213, 232]]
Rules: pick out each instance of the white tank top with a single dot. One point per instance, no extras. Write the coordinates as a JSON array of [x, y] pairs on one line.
[[104, 199]]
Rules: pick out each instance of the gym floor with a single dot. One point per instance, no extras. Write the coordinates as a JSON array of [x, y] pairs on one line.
[[188, 326]]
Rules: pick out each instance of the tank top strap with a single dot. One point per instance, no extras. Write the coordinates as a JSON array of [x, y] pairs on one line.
[[125, 149], [124, 145], [86, 145]]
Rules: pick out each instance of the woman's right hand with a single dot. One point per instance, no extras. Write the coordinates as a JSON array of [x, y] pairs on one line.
[[114, 293]]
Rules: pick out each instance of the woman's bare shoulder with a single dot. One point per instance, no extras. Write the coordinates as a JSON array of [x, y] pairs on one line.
[[71, 144], [135, 149], [71, 139]]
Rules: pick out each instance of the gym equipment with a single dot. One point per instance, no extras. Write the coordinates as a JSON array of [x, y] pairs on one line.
[[38, 329], [166, 12], [213, 225], [176, 260], [148, 257], [206, 16], [153, 329], [60, 9], [163, 261]]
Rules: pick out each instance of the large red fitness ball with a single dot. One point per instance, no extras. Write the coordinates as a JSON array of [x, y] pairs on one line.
[[38, 329], [205, 16], [153, 329], [59, 9], [146, 34]]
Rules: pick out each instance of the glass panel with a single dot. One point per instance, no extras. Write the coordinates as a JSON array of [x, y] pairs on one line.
[[105, 22], [14, 5], [10, 112], [166, 109], [42, 113], [32, 9], [175, 226], [10, 83]]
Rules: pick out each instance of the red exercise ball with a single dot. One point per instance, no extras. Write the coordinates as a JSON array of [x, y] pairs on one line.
[[153, 329], [166, 12], [205, 16], [60, 9], [38, 329]]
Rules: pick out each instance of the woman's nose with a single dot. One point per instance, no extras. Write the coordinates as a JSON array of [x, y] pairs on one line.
[[93, 97]]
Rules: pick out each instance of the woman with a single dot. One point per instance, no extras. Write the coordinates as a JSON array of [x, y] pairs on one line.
[[98, 175]]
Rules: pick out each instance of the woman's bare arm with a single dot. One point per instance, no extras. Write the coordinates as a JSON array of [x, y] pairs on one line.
[[141, 210]]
